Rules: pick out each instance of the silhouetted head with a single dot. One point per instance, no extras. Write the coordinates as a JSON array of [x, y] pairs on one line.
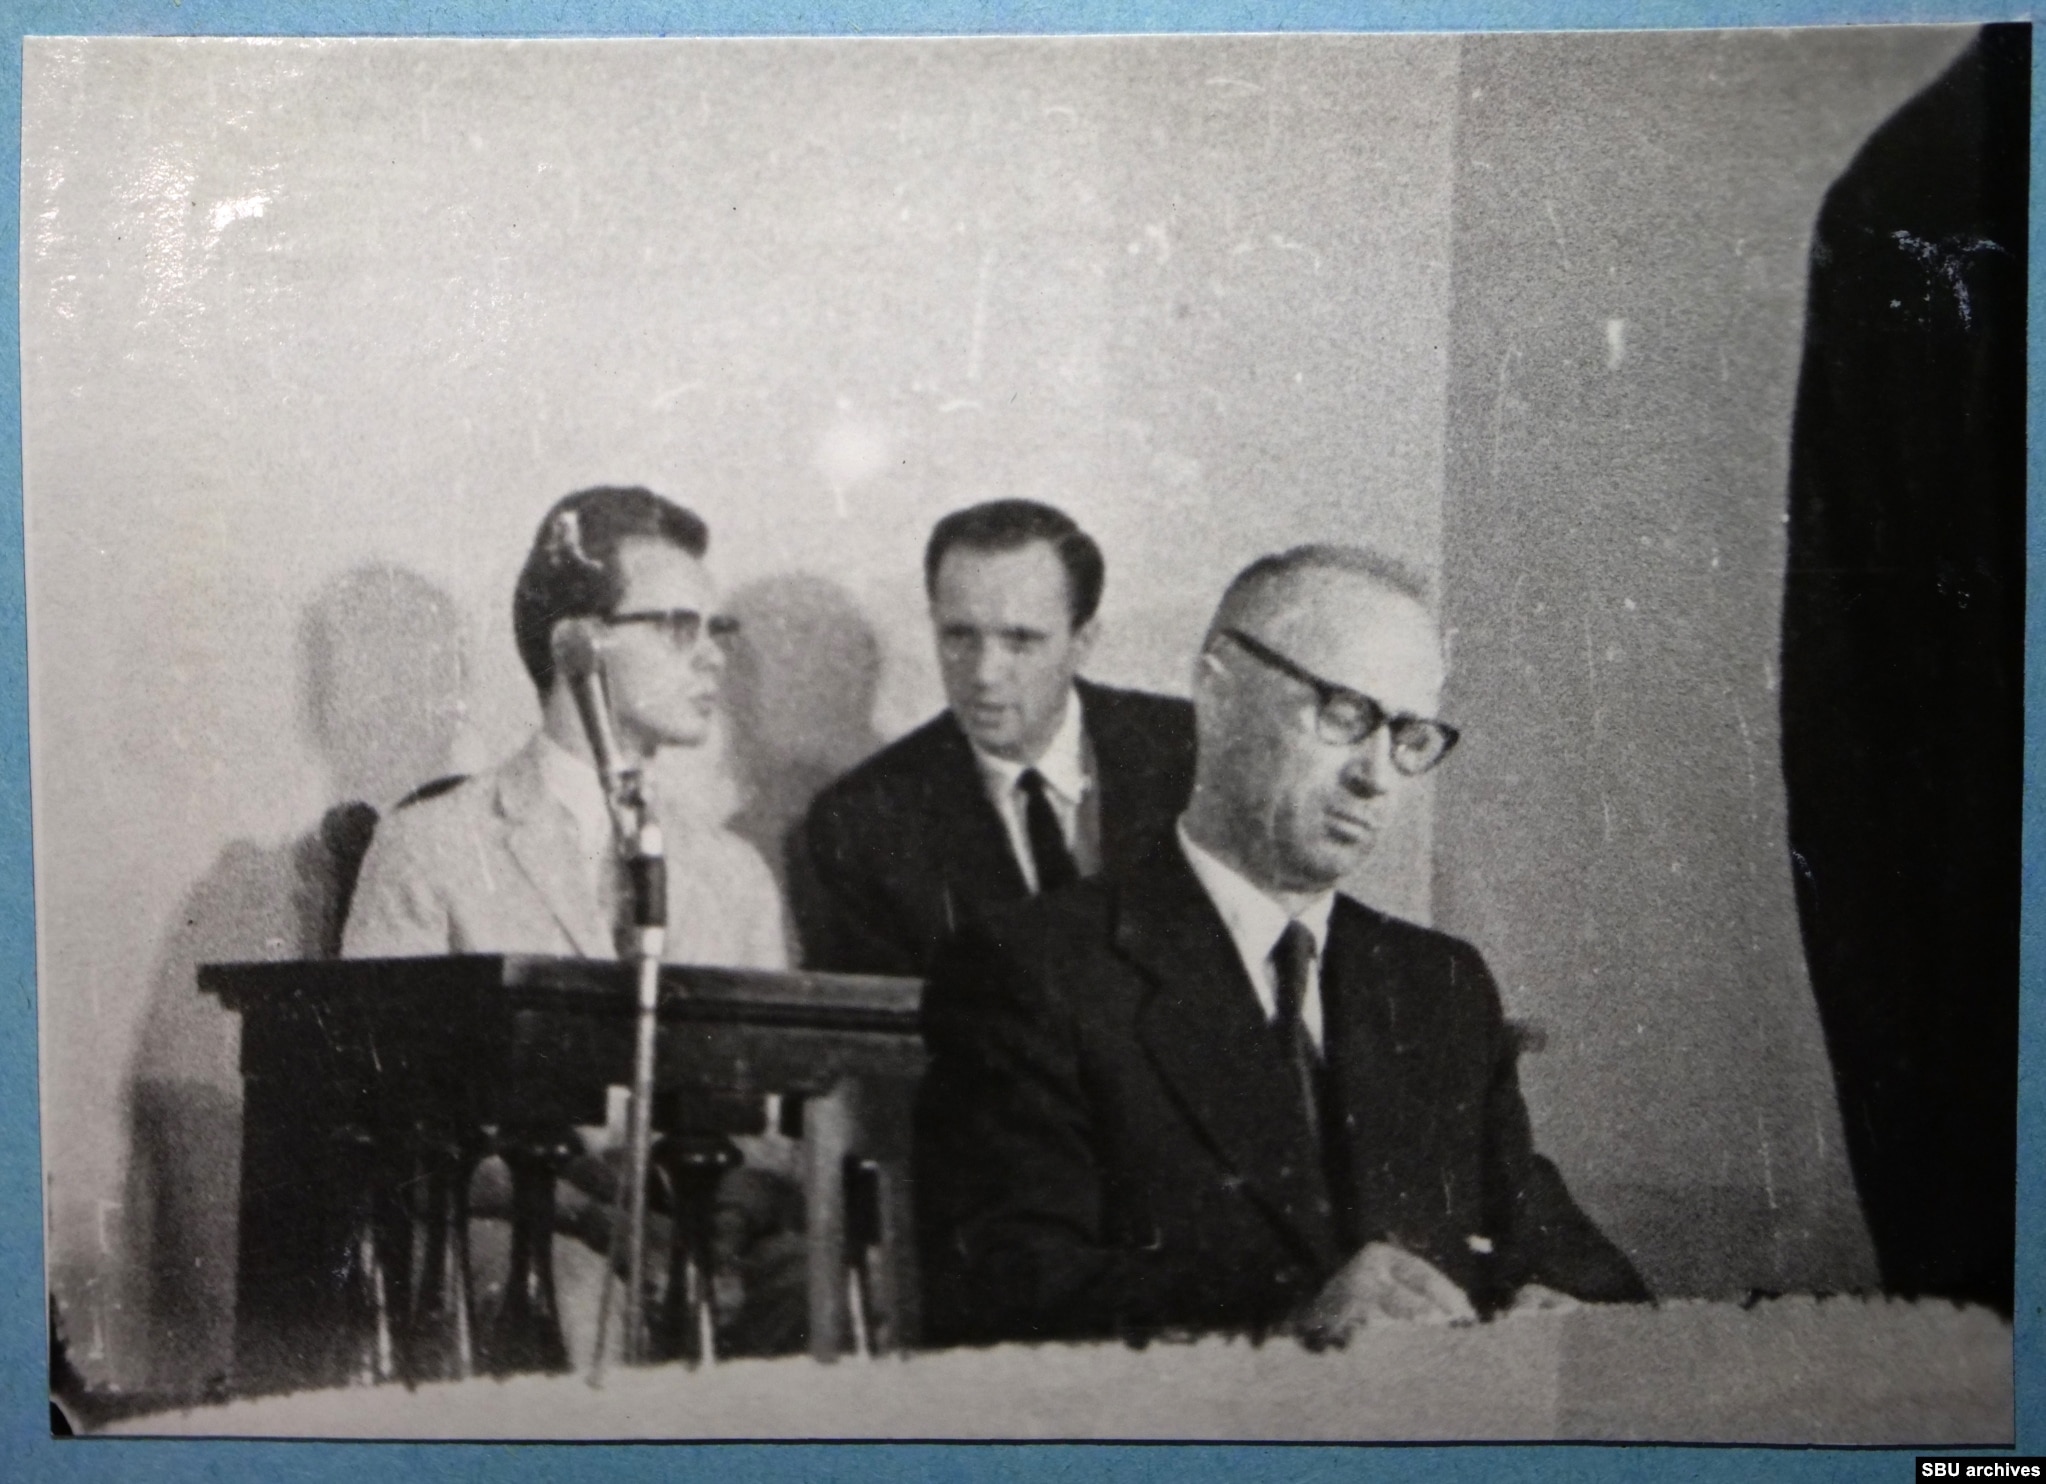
[[384, 681]]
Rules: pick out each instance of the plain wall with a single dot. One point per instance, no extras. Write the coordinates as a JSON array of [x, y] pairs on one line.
[[1632, 222], [314, 332]]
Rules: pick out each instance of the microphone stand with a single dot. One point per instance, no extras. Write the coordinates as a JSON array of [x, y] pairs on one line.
[[640, 844], [580, 659]]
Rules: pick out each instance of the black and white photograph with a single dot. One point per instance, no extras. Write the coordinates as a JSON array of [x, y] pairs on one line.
[[1243, 737]]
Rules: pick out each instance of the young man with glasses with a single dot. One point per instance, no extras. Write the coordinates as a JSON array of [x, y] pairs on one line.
[[521, 858], [1215, 1093]]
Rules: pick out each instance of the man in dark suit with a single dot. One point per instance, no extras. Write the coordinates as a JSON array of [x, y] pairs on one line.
[[1030, 779], [1210, 1091]]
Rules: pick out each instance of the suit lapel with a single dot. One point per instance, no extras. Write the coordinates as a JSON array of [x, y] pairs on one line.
[[1204, 1031], [541, 837], [975, 861], [1125, 823], [1361, 1024]]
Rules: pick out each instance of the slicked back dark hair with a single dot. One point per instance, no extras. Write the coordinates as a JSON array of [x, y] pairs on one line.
[[1009, 525], [572, 570]]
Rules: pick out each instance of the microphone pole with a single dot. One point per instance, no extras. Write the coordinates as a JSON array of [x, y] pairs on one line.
[[646, 864], [638, 840]]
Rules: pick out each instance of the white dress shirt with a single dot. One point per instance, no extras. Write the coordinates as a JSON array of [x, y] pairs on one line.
[[1068, 779], [1255, 921]]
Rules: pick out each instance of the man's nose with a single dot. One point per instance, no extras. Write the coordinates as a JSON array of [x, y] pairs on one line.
[[710, 656], [1368, 773], [990, 665]]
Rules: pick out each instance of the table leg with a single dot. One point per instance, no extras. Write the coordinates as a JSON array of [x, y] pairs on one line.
[[441, 1342], [365, 1344], [865, 1302], [693, 1164], [827, 1132], [526, 1335]]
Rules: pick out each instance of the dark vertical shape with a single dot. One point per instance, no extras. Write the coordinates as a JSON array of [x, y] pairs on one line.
[[1903, 663], [526, 1333], [345, 833], [695, 1164]]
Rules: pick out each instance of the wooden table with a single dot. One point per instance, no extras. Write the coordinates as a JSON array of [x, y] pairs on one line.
[[372, 1088]]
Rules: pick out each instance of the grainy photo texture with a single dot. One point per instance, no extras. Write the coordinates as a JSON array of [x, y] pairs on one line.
[[1203, 737]]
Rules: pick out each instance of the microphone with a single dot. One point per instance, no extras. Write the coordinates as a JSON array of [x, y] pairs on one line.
[[580, 661]]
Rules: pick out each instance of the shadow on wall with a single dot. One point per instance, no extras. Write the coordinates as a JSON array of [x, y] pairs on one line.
[[800, 698], [381, 684]]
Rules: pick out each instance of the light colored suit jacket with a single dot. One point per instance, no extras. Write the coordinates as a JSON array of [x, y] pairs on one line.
[[496, 865]]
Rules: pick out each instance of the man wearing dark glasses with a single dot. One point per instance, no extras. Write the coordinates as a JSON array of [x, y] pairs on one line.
[[520, 858], [1215, 1093]]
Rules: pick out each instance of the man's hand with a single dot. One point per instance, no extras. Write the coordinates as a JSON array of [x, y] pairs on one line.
[[1537, 1298], [1382, 1284]]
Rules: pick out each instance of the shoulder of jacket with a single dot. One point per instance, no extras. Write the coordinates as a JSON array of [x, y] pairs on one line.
[[1451, 963], [1402, 932], [436, 817], [893, 768], [1137, 709]]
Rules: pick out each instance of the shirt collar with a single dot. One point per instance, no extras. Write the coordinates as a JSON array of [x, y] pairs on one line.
[[575, 786], [1063, 765], [1254, 917]]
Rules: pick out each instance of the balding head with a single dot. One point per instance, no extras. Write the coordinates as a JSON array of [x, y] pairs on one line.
[[1274, 795], [1274, 581]]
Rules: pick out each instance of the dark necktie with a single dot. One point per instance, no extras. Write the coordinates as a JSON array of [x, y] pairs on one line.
[[1048, 849], [1293, 959]]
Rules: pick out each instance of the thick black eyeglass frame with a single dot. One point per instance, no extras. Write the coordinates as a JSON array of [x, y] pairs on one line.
[[683, 626], [1404, 727]]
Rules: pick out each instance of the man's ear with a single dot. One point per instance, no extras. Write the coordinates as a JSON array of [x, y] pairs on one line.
[[1208, 672], [574, 639], [1083, 640]]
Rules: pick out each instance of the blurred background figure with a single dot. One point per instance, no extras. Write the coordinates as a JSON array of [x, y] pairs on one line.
[[1903, 664], [382, 681]]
